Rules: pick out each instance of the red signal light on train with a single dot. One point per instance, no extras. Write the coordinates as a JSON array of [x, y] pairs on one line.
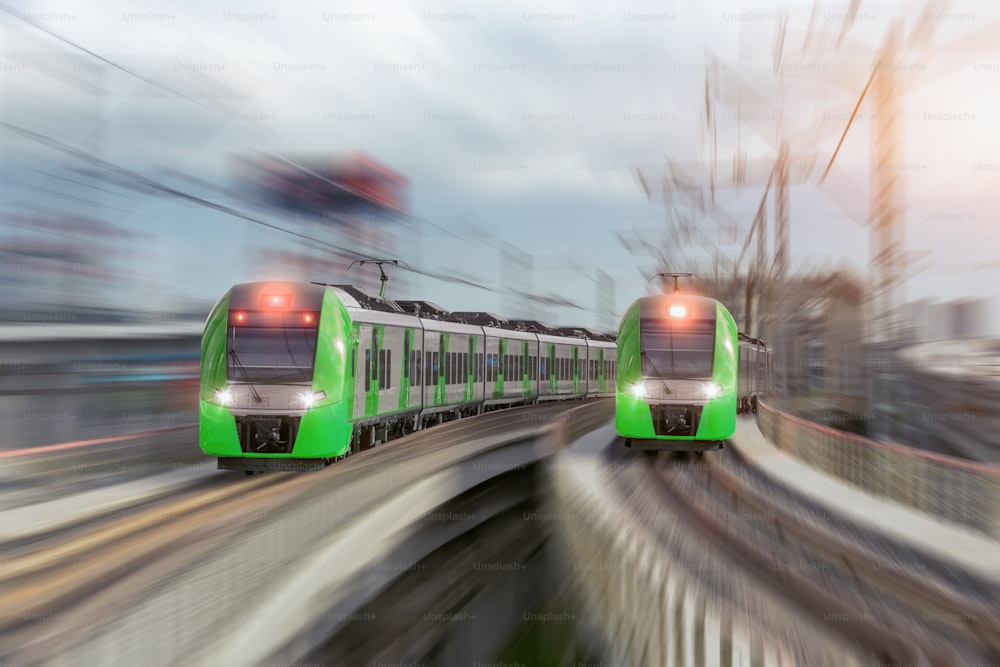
[[308, 318], [240, 317], [678, 311], [276, 300]]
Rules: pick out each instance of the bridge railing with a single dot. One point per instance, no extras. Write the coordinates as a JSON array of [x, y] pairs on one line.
[[946, 488], [655, 593]]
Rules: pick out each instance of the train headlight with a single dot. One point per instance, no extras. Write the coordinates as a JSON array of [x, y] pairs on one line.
[[224, 396], [311, 398], [638, 390], [712, 389]]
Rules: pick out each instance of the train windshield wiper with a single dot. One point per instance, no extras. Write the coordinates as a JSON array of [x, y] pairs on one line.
[[658, 376], [246, 376]]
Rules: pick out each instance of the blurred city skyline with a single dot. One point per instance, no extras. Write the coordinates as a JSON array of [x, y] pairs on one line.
[[514, 124]]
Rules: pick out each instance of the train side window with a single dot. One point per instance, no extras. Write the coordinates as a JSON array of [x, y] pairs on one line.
[[368, 369], [418, 368], [406, 354], [380, 373], [465, 368], [354, 361], [375, 355], [388, 368]]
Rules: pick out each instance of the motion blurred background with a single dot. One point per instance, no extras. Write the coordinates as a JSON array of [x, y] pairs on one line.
[[828, 170], [538, 163]]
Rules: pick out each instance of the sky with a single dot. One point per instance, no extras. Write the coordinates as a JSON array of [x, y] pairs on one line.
[[514, 121]]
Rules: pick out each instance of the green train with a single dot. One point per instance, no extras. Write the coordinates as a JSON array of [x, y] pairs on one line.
[[296, 375], [684, 374]]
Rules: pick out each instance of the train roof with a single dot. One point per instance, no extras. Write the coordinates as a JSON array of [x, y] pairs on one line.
[[745, 338], [479, 318], [356, 297], [425, 309], [370, 301], [584, 332], [534, 326]]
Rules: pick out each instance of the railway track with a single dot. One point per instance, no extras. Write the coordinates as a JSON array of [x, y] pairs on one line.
[[900, 604], [58, 588]]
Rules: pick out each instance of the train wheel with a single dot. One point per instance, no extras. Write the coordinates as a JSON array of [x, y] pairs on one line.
[[248, 472]]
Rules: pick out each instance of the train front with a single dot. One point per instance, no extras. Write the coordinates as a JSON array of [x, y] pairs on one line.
[[677, 362], [273, 367]]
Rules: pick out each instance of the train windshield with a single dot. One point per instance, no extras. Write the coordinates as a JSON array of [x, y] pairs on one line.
[[271, 354], [677, 349]]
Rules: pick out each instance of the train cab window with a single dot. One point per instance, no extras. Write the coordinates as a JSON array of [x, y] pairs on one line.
[[679, 350]]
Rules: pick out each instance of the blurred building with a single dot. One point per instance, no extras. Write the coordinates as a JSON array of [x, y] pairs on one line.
[[927, 320], [57, 267], [351, 204]]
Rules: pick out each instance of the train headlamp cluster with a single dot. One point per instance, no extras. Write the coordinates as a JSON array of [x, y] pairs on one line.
[[224, 396], [638, 389], [678, 310], [712, 389], [311, 398]]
